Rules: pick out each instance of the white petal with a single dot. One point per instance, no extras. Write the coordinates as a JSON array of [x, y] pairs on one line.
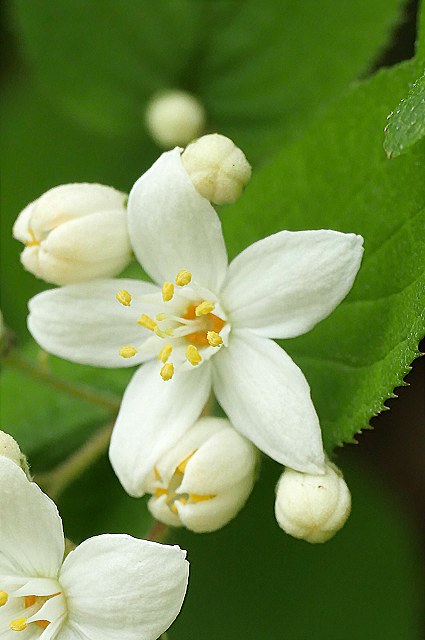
[[85, 323], [21, 226], [285, 284], [120, 587], [154, 414], [31, 535], [172, 227], [267, 399]]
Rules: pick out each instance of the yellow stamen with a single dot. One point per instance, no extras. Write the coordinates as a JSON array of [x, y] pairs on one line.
[[160, 492], [156, 474], [183, 278], [169, 331], [3, 598], [167, 291], [167, 371], [193, 355], [160, 316], [205, 308], [181, 468], [20, 624], [159, 333], [165, 353], [214, 339], [147, 322], [124, 297], [127, 352], [195, 497]]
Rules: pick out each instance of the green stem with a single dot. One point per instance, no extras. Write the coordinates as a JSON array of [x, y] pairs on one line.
[[108, 401], [56, 481]]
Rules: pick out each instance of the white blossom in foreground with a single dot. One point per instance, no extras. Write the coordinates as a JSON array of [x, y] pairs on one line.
[[217, 167], [204, 480], [110, 586], [312, 507], [203, 325], [75, 232], [175, 118]]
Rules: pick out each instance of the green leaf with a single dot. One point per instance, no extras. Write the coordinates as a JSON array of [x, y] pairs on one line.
[[338, 177], [407, 123], [261, 70], [252, 581]]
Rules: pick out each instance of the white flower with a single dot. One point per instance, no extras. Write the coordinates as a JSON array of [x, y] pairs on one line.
[[75, 232], [111, 586], [312, 507], [217, 167], [175, 117], [9, 448], [204, 480], [207, 325]]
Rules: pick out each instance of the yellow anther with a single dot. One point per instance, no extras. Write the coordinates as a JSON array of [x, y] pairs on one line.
[[159, 333], [193, 355], [3, 598], [20, 624], [183, 278], [167, 291], [160, 316], [147, 322], [195, 497], [165, 353], [214, 339], [181, 468], [167, 371], [127, 352], [160, 492], [204, 308], [124, 297]]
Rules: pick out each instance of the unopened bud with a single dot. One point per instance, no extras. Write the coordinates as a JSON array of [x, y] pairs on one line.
[[9, 448], [312, 507], [174, 118], [217, 167], [75, 232], [205, 479]]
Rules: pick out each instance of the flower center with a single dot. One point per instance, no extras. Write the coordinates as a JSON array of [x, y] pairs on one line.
[[171, 491], [209, 325], [32, 605]]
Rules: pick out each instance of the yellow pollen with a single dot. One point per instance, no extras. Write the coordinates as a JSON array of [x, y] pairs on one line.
[[20, 624], [167, 291], [183, 278], [127, 352], [3, 598], [193, 355], [124, 297], [147, 322], [214, 339], [165, 353], [160, 316], [204, 308], [167, 371]]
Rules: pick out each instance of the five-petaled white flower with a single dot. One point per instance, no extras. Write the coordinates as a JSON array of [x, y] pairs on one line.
[[206, 325], [111, 586]]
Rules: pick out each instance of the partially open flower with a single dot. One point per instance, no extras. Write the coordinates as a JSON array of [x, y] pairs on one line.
[[204, 480], [75, 232], [9, 448], [312, 507], [218, 169], [174, 118], [110, 586]]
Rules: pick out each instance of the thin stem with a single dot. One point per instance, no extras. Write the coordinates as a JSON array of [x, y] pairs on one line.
[[57, 480], [108, 401]]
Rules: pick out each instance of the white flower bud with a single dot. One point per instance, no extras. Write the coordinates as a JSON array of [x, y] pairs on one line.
[[75, 232], [9, 448], [217, 167], [174, 118], [312, 507], [205, 479]]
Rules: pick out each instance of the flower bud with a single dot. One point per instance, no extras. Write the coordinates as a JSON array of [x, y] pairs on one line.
[[174, 118], [205, 479], [9, 448], [75, 232], [217, 167], [312, 507]]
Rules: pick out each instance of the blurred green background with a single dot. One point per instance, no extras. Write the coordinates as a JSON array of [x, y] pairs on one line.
[[75, 79]]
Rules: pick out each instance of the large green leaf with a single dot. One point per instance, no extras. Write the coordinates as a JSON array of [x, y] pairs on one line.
[[252, 581], [407, 123], [261, 70], [338, 177]]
